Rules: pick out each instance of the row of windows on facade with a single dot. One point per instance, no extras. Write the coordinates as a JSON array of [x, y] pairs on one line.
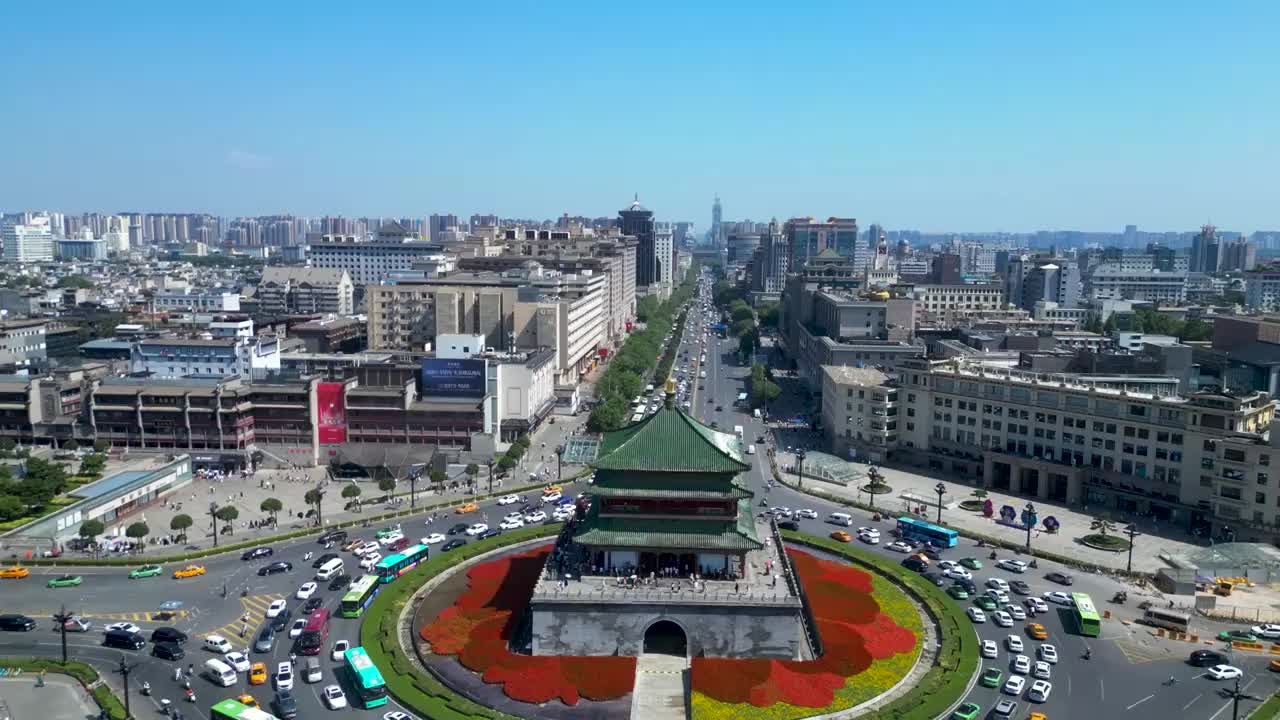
[[1051, 399]]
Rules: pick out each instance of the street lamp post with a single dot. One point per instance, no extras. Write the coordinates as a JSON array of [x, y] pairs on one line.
[[941, 490], [1031, 512], [1132, 531], [559, 461], [1236, 696], [873, 479], [490, 464], [800, 467], [124, 669], [62, 618], [213, 513]]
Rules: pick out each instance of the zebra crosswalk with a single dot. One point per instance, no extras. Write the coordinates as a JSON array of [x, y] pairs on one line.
[[140, 616], [254, 607]]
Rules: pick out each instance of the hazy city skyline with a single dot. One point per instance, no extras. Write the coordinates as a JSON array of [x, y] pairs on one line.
[[979, 118]]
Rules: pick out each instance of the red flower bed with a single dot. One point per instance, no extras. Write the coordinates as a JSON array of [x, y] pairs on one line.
[[854, 634], [479, 624]]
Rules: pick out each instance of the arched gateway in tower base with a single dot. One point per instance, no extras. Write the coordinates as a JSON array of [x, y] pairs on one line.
[[670, 537]]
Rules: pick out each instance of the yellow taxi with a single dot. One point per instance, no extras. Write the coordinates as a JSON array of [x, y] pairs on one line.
[[189, 571], [247, 701], [841, 535], [1274, 666], [1038, 716], [16, 571], [1037, 631], [257, 674], [468, 508], [552, 489]]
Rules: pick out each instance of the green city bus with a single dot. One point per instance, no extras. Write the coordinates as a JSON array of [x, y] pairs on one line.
[[236, 710], [1087, 620], [359, 595], [393, 566], [370, 689]]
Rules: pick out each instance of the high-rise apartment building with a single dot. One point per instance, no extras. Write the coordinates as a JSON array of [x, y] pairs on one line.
[[664, 250], [1206, 250], [1239, 255], [31, 241], [393, 250], [637, 221]]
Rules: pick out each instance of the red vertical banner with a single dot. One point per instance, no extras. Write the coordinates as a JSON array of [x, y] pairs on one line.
[[331, 409]]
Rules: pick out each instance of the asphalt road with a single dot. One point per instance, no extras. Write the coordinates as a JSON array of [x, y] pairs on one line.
[[108, 595], [1126, 677], [1128, 673]]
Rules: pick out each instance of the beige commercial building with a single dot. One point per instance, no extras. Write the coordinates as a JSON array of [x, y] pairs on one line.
[[305, 291]]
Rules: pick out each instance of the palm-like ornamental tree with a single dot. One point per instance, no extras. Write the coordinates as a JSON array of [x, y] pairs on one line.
[[1103, 526]]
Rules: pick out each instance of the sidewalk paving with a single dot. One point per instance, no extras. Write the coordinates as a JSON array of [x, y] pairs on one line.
[[1147, 547]]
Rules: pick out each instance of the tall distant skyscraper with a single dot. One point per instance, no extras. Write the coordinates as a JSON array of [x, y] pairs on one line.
[[1206, 250], [717, 228], [637, 221]]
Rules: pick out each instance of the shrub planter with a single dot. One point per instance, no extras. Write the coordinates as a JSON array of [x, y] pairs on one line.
[[971, 505], [877, 488], [1109, 543]]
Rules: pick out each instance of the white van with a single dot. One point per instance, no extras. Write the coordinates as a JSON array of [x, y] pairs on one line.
[[839, 518], [220, 672], [218, 644], [330, 569], [751, 449]]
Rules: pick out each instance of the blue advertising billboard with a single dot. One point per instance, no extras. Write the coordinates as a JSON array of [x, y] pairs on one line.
[[453, 378]]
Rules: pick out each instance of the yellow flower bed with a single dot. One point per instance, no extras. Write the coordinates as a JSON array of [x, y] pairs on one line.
[[877, 679]]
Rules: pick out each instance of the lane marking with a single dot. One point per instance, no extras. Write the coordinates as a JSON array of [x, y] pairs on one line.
[[1141, 701], [1193, 701]]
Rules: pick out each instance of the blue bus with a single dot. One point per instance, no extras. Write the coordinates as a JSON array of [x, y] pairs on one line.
[[393, 566], [921, 531]]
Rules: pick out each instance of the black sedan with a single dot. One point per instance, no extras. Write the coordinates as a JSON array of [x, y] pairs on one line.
[[167, 651], [323, 559], [311, 605], [453, 544], [280, 566], [339, 582], [458, 529], [490, 533], [256, 553]]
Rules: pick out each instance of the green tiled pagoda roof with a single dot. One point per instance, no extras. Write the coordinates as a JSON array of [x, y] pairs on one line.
[[671, 441], [644, 488], [735, 535]]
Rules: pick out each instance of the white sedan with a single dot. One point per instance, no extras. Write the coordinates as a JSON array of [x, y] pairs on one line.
[[306, 591], [1014, 685], [1040, 670], [957, 573], [275, 608], [1015, 611], [397, 715], [296, 628], [334, 698], [869, 538], [807, 513], [1021, 664], [515, 515], [369, 561], [976, 615], [125, 626], [899, 546], [870, 531], [1224, 672], [339, 647], [508, 500], [1059, 597], [1039, 691], [535, 517], [237, 661], [998, 584], [511, 524], [477, 528], [1002, 618], [1014, 643], [1048, 653], [433, 538], [551, 498], [1035, 605], [1018, 566], [284, 676], [989, 649]]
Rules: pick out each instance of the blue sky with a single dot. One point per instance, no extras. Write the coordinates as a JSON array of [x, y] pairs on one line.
[[941, 116]]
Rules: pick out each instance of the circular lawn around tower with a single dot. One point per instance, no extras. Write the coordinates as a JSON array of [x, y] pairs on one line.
[[870, 628]]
